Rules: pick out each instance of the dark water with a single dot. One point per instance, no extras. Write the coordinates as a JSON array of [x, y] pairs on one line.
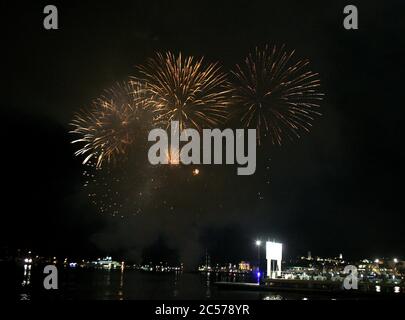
[[26, 283], [86, 284]]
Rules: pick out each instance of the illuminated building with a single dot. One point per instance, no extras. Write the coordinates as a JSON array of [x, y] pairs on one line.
[[107, 263], [274, 254], [244, 266]]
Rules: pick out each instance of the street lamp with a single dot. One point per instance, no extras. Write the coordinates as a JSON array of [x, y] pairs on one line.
[[258, 244], [395, 260]]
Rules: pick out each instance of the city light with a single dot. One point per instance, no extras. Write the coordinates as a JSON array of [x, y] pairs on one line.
[[258, 274], [327, 272], [258, 243]]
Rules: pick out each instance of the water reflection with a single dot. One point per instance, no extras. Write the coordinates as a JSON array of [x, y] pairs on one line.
[[107, 283], [120, 290], [27, 275], [273, 297], [208, 286], [127, 284], [176, 284]]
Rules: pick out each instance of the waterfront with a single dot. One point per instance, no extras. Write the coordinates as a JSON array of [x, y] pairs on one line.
[[97, 284], [89, 284]]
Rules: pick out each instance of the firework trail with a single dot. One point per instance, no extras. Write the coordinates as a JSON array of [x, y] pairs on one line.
[[186, 90], [110, 126], [274, 95]]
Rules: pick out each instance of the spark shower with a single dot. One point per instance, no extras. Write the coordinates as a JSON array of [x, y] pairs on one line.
[[269, 92]]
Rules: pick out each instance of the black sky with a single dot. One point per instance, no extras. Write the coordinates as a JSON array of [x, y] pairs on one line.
[[338, 189]]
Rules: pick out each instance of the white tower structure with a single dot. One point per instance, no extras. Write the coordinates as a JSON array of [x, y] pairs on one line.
[[274, 255]]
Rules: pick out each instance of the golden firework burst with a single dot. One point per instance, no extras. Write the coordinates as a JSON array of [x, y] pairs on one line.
[[108, 128], [187, 90], [275, 95]]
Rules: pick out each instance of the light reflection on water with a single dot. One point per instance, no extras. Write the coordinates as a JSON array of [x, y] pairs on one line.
[[132, 284], [27, 275]]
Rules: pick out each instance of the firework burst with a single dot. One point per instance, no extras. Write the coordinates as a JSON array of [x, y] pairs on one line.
[[274, 95], [186, 90], [109, 127]]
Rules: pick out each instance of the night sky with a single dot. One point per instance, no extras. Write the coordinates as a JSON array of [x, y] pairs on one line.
[[336, 190]]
